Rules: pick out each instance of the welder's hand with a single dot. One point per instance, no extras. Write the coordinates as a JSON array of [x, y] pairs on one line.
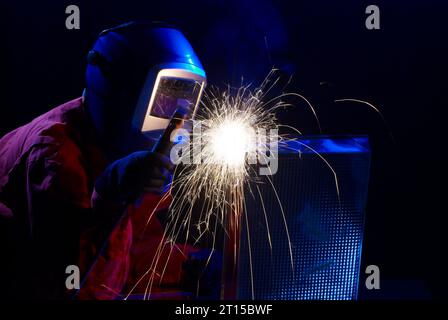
[[126, 179], [202, 274]]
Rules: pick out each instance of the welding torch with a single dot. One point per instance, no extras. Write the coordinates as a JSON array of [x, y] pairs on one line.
[[165, 143]]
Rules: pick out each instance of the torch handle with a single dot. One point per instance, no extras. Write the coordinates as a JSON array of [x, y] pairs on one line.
[[165, 144]]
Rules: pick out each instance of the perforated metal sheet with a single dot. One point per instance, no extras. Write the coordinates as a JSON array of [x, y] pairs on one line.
[[326, 230]]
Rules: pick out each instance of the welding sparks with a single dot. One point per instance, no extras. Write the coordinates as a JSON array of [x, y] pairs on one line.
[[230, 142], [234, 133]]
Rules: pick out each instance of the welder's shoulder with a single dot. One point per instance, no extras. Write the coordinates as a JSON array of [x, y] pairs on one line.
[[57, 152], [53, 156], [43, 137], [50, 134], [49, 128]]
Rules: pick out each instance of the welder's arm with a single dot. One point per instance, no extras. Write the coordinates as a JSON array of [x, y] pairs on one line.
[[127, 179], [111, 235], [122, 183]]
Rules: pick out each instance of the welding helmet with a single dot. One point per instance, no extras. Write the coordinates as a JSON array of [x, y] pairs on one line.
[[138, 74]]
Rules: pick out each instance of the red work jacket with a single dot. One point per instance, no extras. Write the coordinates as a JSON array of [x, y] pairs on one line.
[[47, 173]]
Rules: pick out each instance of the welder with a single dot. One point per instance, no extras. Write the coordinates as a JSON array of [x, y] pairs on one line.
[[79, 184]]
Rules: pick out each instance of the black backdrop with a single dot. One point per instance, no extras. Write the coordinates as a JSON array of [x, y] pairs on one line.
[[401, 68]]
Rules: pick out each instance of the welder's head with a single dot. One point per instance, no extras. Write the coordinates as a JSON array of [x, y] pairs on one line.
[[138, 74]]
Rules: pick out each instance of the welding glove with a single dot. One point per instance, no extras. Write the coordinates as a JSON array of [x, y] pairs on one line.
[[128, 178], [202, 274]]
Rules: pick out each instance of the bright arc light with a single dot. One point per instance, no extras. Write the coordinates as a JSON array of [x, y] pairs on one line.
[[231, 124], [230, 142]]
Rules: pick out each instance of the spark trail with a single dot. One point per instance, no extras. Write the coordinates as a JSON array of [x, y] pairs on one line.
[[217, 168]]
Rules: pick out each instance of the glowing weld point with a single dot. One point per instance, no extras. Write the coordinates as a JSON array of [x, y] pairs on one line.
[[230, 143]]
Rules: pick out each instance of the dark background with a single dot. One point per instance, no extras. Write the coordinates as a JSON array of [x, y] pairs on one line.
[[401, 68]]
